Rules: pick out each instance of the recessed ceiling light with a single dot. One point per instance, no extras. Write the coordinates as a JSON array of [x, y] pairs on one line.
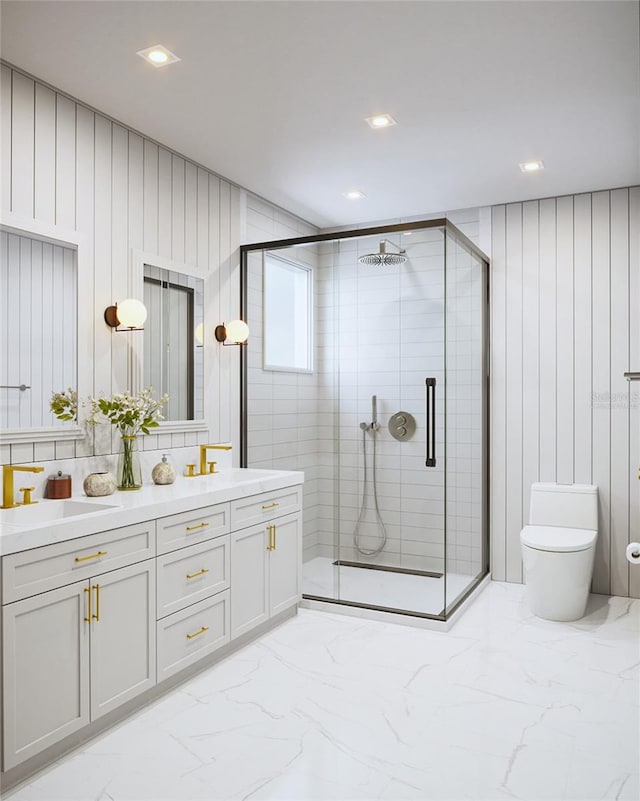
[[380, 121], [531, 166], [158, 55], [354, 194]]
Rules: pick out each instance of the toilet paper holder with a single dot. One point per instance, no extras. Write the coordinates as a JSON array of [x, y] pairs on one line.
[[633, 553]]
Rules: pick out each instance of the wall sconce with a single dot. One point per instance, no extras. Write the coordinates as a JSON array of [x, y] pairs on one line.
[[130, 314], [234, 333]]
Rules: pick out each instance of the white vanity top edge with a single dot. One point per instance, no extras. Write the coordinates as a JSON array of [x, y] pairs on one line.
[[150, 502]]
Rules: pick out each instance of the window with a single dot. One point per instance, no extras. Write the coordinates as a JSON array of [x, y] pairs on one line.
[[288, 303]]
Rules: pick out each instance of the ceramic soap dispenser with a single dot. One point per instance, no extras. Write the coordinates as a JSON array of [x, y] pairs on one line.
[[163, 472]]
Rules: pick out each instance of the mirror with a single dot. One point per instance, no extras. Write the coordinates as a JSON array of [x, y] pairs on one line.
[[173, 340], [38, 330]]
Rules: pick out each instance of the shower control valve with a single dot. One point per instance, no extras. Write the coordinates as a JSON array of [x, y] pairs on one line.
[[402, 425]]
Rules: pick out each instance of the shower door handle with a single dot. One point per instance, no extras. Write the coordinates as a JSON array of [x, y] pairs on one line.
[[431, 422]]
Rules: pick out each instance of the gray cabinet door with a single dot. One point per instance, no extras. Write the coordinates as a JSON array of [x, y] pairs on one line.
[[249, 579], [123, 636], [46, 670], [283, 564]]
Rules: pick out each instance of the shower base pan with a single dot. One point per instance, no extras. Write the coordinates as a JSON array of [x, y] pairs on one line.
[[402, 595]]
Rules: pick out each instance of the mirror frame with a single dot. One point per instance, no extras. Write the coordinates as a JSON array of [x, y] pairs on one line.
[[54, 234], [138, 260]]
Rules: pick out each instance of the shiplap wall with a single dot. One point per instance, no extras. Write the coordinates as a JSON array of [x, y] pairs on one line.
[[565, 327], [63, 163]]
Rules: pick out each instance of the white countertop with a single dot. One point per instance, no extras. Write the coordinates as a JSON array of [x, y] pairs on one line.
[[150, 502]]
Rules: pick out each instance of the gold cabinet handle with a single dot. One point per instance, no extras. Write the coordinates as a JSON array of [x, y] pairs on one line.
[[272, 538], [198, 633], [199, 573], [91, 556], [96, 587], [270, 506], [88, 619], [198, 527]]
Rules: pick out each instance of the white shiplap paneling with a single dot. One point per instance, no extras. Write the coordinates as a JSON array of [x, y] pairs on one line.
[[577, 271], [66, 165]]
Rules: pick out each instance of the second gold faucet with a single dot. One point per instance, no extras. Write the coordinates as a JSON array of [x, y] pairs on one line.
[[203, 458]]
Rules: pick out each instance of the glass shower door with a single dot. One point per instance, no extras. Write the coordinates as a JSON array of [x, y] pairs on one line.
[[389, 338], [466, 430]]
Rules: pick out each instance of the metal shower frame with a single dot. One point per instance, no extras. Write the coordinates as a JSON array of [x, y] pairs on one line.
[[449, 228]]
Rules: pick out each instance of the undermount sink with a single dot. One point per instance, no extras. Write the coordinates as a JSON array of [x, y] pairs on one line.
[[48, 511]]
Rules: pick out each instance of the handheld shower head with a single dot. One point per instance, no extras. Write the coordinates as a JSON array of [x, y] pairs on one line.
[[384, 259]]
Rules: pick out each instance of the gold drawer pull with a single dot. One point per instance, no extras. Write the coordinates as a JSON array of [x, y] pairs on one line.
[[91, 556], [199, 573], [198, 633], [199, 526], [270, 506]]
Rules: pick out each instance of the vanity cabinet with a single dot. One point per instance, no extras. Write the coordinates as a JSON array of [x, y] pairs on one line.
[[92, 622], [74, 653], [265, 557]]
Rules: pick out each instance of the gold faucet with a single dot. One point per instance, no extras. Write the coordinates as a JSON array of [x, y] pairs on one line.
[[7, 483], [203, 458]]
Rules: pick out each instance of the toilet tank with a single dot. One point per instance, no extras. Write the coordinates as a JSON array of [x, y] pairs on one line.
[[569, 505]]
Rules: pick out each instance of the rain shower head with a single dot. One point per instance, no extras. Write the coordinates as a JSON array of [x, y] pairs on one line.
[[384, 259]]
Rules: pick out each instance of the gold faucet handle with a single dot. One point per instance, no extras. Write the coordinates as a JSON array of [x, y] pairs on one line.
[[212, 467], [26, 495], [190, 471]]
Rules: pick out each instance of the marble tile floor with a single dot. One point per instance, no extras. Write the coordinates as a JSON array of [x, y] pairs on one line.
[[332, 708], [383, 588]]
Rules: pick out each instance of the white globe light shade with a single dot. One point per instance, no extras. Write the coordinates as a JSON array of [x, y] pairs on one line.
[[132, 313], [237, 331]]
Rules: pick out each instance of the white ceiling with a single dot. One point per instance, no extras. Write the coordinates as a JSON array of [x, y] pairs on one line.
[[273, 95]]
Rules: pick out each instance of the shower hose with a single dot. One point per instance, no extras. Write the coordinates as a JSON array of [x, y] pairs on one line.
[[365, 491]]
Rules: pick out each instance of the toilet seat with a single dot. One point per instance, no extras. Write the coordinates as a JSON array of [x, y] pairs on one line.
[[558, 539]]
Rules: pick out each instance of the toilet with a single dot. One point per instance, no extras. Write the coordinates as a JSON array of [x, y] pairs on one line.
[[558, 549]]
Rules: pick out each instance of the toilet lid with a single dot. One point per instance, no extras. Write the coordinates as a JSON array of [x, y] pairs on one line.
[[557, 538]]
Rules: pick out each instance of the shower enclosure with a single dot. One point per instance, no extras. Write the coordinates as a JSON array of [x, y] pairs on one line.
[[367, 369]]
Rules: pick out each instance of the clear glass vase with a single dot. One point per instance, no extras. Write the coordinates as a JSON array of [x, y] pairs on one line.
[[129, 473]]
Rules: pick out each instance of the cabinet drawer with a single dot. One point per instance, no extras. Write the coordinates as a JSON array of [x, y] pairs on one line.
[[30, 572], [187, 636], [189, 528], [192, 574], [266, 506]]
